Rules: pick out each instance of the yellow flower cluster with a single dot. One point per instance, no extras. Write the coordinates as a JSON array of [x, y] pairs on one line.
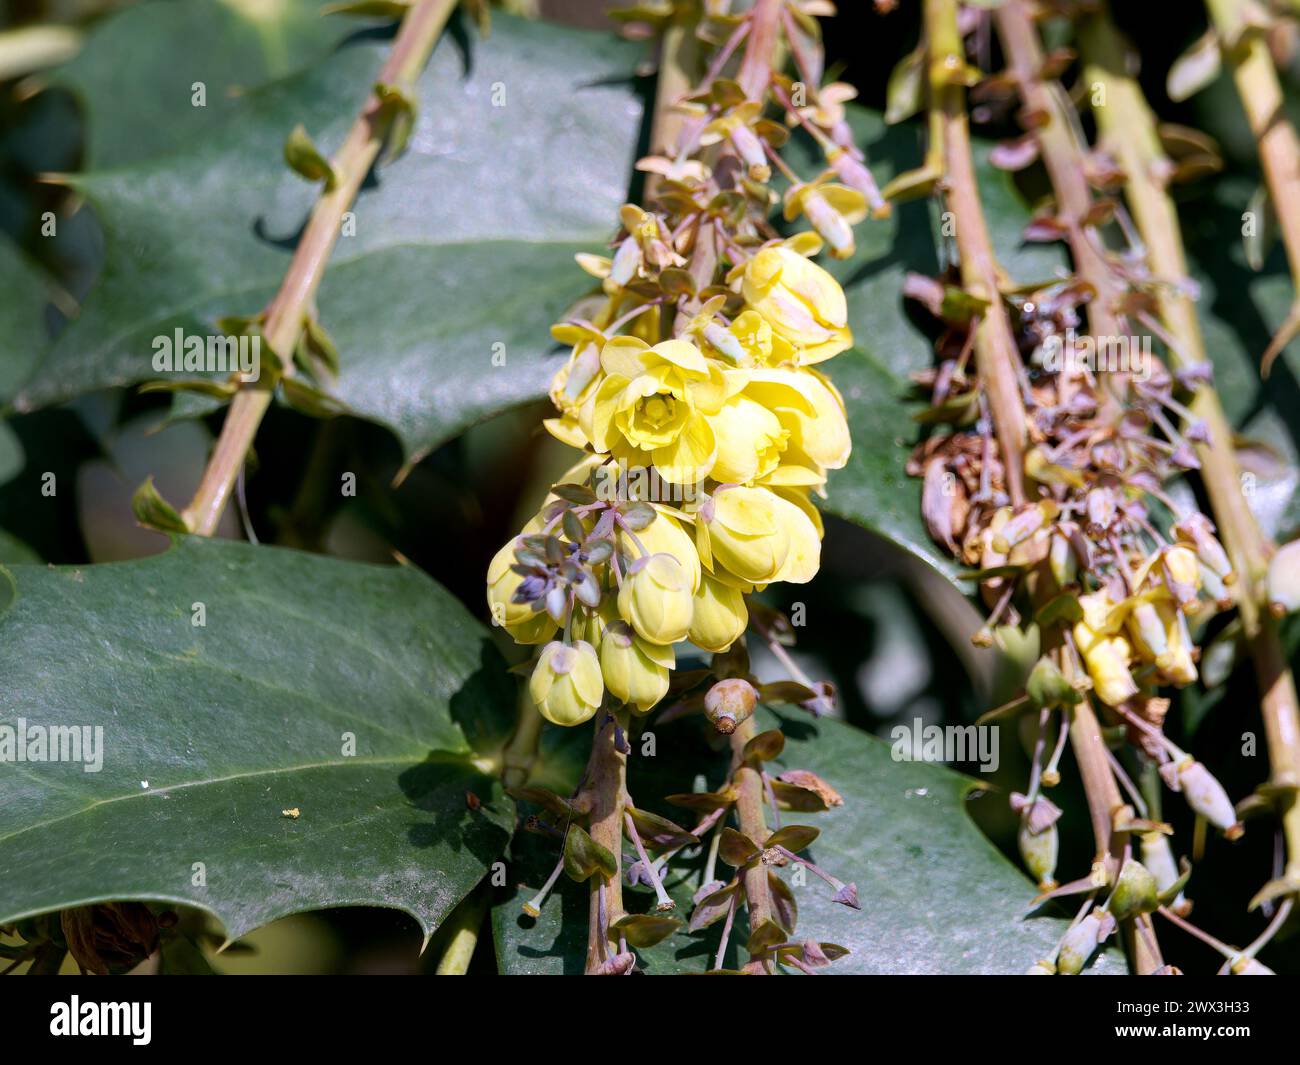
[[1146, 629], [701, 452]]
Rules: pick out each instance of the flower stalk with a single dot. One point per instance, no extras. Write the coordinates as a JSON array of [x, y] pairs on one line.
[[996, 357]]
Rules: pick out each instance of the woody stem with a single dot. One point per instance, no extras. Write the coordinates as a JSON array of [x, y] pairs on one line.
[[606, 784], [420, 29], [996, 356]]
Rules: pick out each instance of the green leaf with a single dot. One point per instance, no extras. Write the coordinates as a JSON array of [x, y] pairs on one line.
[[146, 106], [211, 732], [461, 255], [22, 332], [936, 895]]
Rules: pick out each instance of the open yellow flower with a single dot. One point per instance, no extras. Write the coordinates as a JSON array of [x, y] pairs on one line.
[[653, 406], [1106, 653], [802, 302], [750, 439], [810, 410]]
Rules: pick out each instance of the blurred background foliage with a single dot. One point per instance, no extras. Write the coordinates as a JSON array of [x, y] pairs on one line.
[[886, 629]]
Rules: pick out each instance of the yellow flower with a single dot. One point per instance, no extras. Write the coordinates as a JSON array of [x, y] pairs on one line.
[[655, 599], [524, 624], [811, 410], [753, 536], [635, 671], [802, 302], [719, 616], [1176, 665], [1105, 653], [566, 683], [750, 439], [747, 341], [803, 528], [653, 407], [1107, 659]]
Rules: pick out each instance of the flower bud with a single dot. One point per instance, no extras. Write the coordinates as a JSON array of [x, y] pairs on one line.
[[655, 599], [1182, 576], [566, 683], [1135, 892], [1158, 857], [1081, 942], [665, 536], [1039, 851], [1062, 560], [1043, 967], [729, 702], [1206, 796], [1198, 531], [719, 616], [1284, 580], [635, 672]]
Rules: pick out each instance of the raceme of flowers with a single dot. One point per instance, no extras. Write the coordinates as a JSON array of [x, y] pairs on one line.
[[1084, 570], [700, 455]]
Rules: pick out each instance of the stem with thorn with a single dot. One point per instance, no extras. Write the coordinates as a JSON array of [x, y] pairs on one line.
[[1129, 129], [996, 357], [420, 30]]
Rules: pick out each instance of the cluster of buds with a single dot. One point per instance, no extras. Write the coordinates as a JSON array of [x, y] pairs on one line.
[[695, 396], [695, 393]]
